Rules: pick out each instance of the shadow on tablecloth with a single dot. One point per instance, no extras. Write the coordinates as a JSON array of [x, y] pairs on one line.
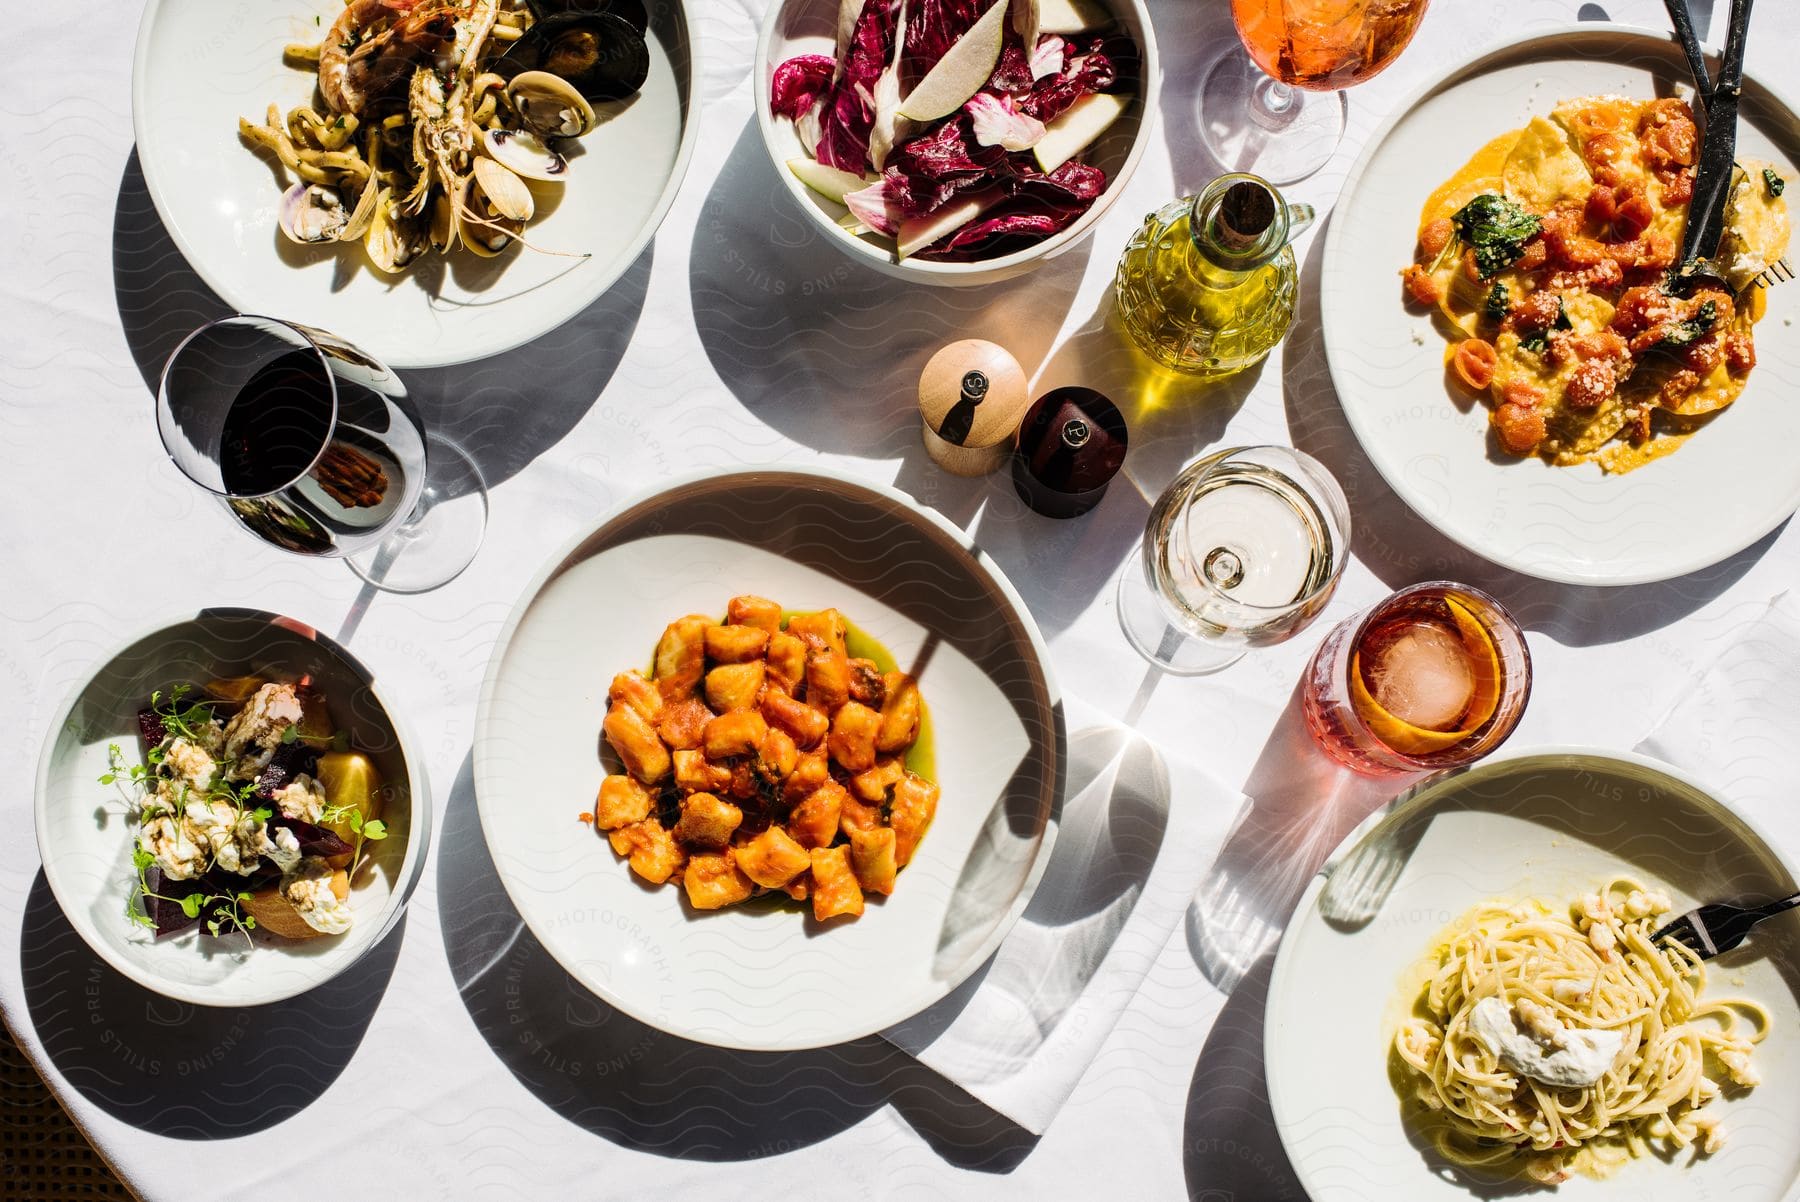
[[1301, 806], [184, 1071], [826, 351], [1403, 548], [629, 1083], [1230, 1149], [504, 410]]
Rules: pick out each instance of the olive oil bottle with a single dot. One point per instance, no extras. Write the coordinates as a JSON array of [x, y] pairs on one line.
[[1207, 286]]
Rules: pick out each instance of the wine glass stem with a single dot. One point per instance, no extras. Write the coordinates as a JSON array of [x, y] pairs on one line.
[[1274, 105]]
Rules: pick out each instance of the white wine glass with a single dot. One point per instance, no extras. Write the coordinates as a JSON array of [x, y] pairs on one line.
[[1243, 550]]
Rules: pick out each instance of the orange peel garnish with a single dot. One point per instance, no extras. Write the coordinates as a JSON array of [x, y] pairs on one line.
[[1406, 739]]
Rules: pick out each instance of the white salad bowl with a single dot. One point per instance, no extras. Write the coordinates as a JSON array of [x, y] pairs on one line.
[[85, 834], [793, 27]]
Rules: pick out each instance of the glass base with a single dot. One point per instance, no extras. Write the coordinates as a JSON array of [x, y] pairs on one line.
[[1147, 625], [1253, 123], [443, 534]]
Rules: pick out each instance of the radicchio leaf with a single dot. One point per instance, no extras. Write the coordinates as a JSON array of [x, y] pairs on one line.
[[1012, 74], [1044, 205], [997, 121], [1048, 58], [799, 83], [849, 109], [877, 206], [1085, 70], [925, 172], [932, 27]]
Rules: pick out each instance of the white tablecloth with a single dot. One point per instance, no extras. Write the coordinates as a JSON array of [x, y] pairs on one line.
[[457, 1061]]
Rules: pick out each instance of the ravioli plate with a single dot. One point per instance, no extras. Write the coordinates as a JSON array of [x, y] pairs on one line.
[[1729, 485]]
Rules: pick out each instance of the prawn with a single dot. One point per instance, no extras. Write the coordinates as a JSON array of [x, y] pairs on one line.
[[443, 122], [359, 61]]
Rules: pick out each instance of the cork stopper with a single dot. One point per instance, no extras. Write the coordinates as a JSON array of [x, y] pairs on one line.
[[1245, 215], [971, 397]]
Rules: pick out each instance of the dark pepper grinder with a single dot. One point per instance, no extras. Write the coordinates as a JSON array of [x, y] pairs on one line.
[[1071, 444]]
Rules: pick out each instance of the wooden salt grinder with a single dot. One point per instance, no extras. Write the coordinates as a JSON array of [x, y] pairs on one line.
[[971, 395]]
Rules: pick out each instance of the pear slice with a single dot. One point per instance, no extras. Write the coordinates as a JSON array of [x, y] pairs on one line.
[[962, 71], [828, 182], [1076, 129], [848, 12], [1071, 16], [916, 233], [850, 223], [1025, 22]]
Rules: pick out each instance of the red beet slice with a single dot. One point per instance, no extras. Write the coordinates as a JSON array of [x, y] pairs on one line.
[[289, 761], [163, 903], [313, 840], [150, 731]]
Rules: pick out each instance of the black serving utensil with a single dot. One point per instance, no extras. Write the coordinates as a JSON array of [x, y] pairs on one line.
[[1690, 46], [1719, 926], [1718, 152]]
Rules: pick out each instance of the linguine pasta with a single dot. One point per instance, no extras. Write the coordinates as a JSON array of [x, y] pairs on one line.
[[1565, 975]]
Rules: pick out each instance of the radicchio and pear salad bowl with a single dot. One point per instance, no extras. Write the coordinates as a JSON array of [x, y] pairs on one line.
[[955, 142], [228, 812]]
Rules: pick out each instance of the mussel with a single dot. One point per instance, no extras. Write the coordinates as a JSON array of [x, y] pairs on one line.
[[632, 10], [602, 55], [549, 105], [524, 154]]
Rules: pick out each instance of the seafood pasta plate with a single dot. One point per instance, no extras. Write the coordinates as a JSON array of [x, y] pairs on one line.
[[1523, 892], [696, 816], [435, 180], [1499, 336]]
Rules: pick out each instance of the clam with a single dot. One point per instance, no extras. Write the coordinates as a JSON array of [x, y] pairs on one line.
[[363, 214], [312, 213], [393, 239], [505, 193], [549, 105], [601, 54], [495, 206], [444, 225], [524, 154]]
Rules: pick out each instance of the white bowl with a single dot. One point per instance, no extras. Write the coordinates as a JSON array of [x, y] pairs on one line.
[[85, 838], [793, 27], [202, 64], [1550, 822], [760, 977]]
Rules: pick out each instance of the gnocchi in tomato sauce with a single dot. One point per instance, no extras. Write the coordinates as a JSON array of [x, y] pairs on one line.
[[759, 756]]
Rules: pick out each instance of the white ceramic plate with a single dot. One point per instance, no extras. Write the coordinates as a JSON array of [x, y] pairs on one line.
[[202, 64], [1732, 483], [85, 840], [1547, 824], [755, 977], [807, 27]]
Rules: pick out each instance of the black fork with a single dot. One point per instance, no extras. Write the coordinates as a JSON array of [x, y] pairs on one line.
[[1719, 926]]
